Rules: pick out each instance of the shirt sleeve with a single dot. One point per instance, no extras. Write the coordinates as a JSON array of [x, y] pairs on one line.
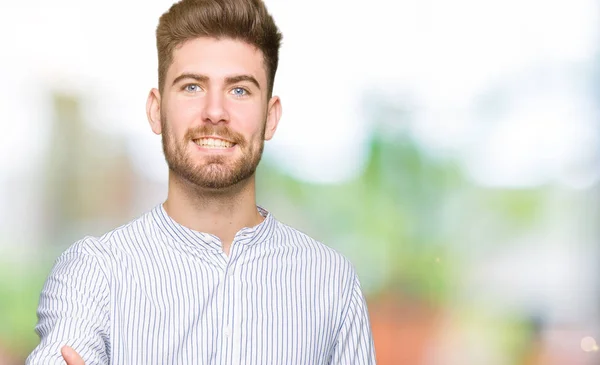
[[73, 310], [354, 344]]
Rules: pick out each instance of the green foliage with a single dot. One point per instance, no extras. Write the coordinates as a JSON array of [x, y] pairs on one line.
[[20, 287], [386, 220], [403, 220]]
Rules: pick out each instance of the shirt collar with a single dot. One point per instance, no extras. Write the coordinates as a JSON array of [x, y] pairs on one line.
[[245, 236]]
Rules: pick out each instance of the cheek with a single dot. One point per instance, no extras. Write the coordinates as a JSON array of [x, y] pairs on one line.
[[248, 120], [180, 116]]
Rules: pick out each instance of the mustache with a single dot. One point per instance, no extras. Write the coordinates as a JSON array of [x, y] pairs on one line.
[[212, 130]]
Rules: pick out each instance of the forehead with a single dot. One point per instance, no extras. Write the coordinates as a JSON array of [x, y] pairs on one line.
[[217, 58]]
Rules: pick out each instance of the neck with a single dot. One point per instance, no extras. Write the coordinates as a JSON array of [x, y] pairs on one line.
[[221, 212]]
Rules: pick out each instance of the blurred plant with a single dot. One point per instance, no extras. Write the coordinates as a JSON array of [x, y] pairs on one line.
[[390, 220], [20, 287]]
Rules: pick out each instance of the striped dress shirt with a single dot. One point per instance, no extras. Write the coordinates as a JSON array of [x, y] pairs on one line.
[[156, 292]]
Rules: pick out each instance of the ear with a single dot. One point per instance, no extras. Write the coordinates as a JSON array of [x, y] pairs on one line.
[[153, 111], [273, 116]]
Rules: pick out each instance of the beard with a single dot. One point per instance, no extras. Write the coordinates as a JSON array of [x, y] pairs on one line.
[[213, 171]]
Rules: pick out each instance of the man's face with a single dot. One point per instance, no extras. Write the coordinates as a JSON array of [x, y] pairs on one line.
[[214, 112]]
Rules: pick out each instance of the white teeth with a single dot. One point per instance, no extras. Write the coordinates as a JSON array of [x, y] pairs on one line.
[[213, 143]]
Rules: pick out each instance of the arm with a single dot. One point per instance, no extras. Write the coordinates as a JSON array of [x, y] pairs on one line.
[[73, 310], [354, 342]]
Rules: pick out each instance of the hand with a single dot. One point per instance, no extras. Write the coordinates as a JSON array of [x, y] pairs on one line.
[[71, 356]]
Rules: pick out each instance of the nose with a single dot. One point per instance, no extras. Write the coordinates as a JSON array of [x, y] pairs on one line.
[[214, 108]]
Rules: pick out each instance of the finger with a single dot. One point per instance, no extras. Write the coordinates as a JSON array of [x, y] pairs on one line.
[[71, 356]]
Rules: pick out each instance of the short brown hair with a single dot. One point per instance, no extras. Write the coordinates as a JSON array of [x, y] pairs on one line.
[[245, 20]]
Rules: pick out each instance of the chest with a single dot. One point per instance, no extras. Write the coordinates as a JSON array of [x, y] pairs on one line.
[[253, 308]]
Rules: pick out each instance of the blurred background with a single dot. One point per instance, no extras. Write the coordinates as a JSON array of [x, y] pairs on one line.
[[450, 149]]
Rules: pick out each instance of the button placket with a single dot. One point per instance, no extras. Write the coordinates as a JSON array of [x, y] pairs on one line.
[[231, 323], [228, 301]]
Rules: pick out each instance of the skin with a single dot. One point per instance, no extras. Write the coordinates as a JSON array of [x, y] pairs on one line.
[[70, 356], [214, 106], [214, 88]]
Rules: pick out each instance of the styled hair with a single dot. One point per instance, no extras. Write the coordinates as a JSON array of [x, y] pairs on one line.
[[245, 20]]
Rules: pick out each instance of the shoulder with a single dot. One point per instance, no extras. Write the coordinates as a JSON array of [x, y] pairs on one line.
[[316, 252], [109, 244]]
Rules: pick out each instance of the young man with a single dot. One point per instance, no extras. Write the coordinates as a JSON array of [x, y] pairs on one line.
[[207, 277]]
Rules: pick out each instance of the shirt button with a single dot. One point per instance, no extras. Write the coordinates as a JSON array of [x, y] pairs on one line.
[[227, 332], [230, 273]]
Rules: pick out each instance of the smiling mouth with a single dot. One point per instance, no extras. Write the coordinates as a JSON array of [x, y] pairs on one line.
[[213, 143]]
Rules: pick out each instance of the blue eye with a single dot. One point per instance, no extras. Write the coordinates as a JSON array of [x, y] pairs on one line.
[[192, 88], [239, 91]]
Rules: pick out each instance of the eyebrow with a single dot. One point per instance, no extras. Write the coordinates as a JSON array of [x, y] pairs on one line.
[[228, 80], [197, 77], [239, 78]]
